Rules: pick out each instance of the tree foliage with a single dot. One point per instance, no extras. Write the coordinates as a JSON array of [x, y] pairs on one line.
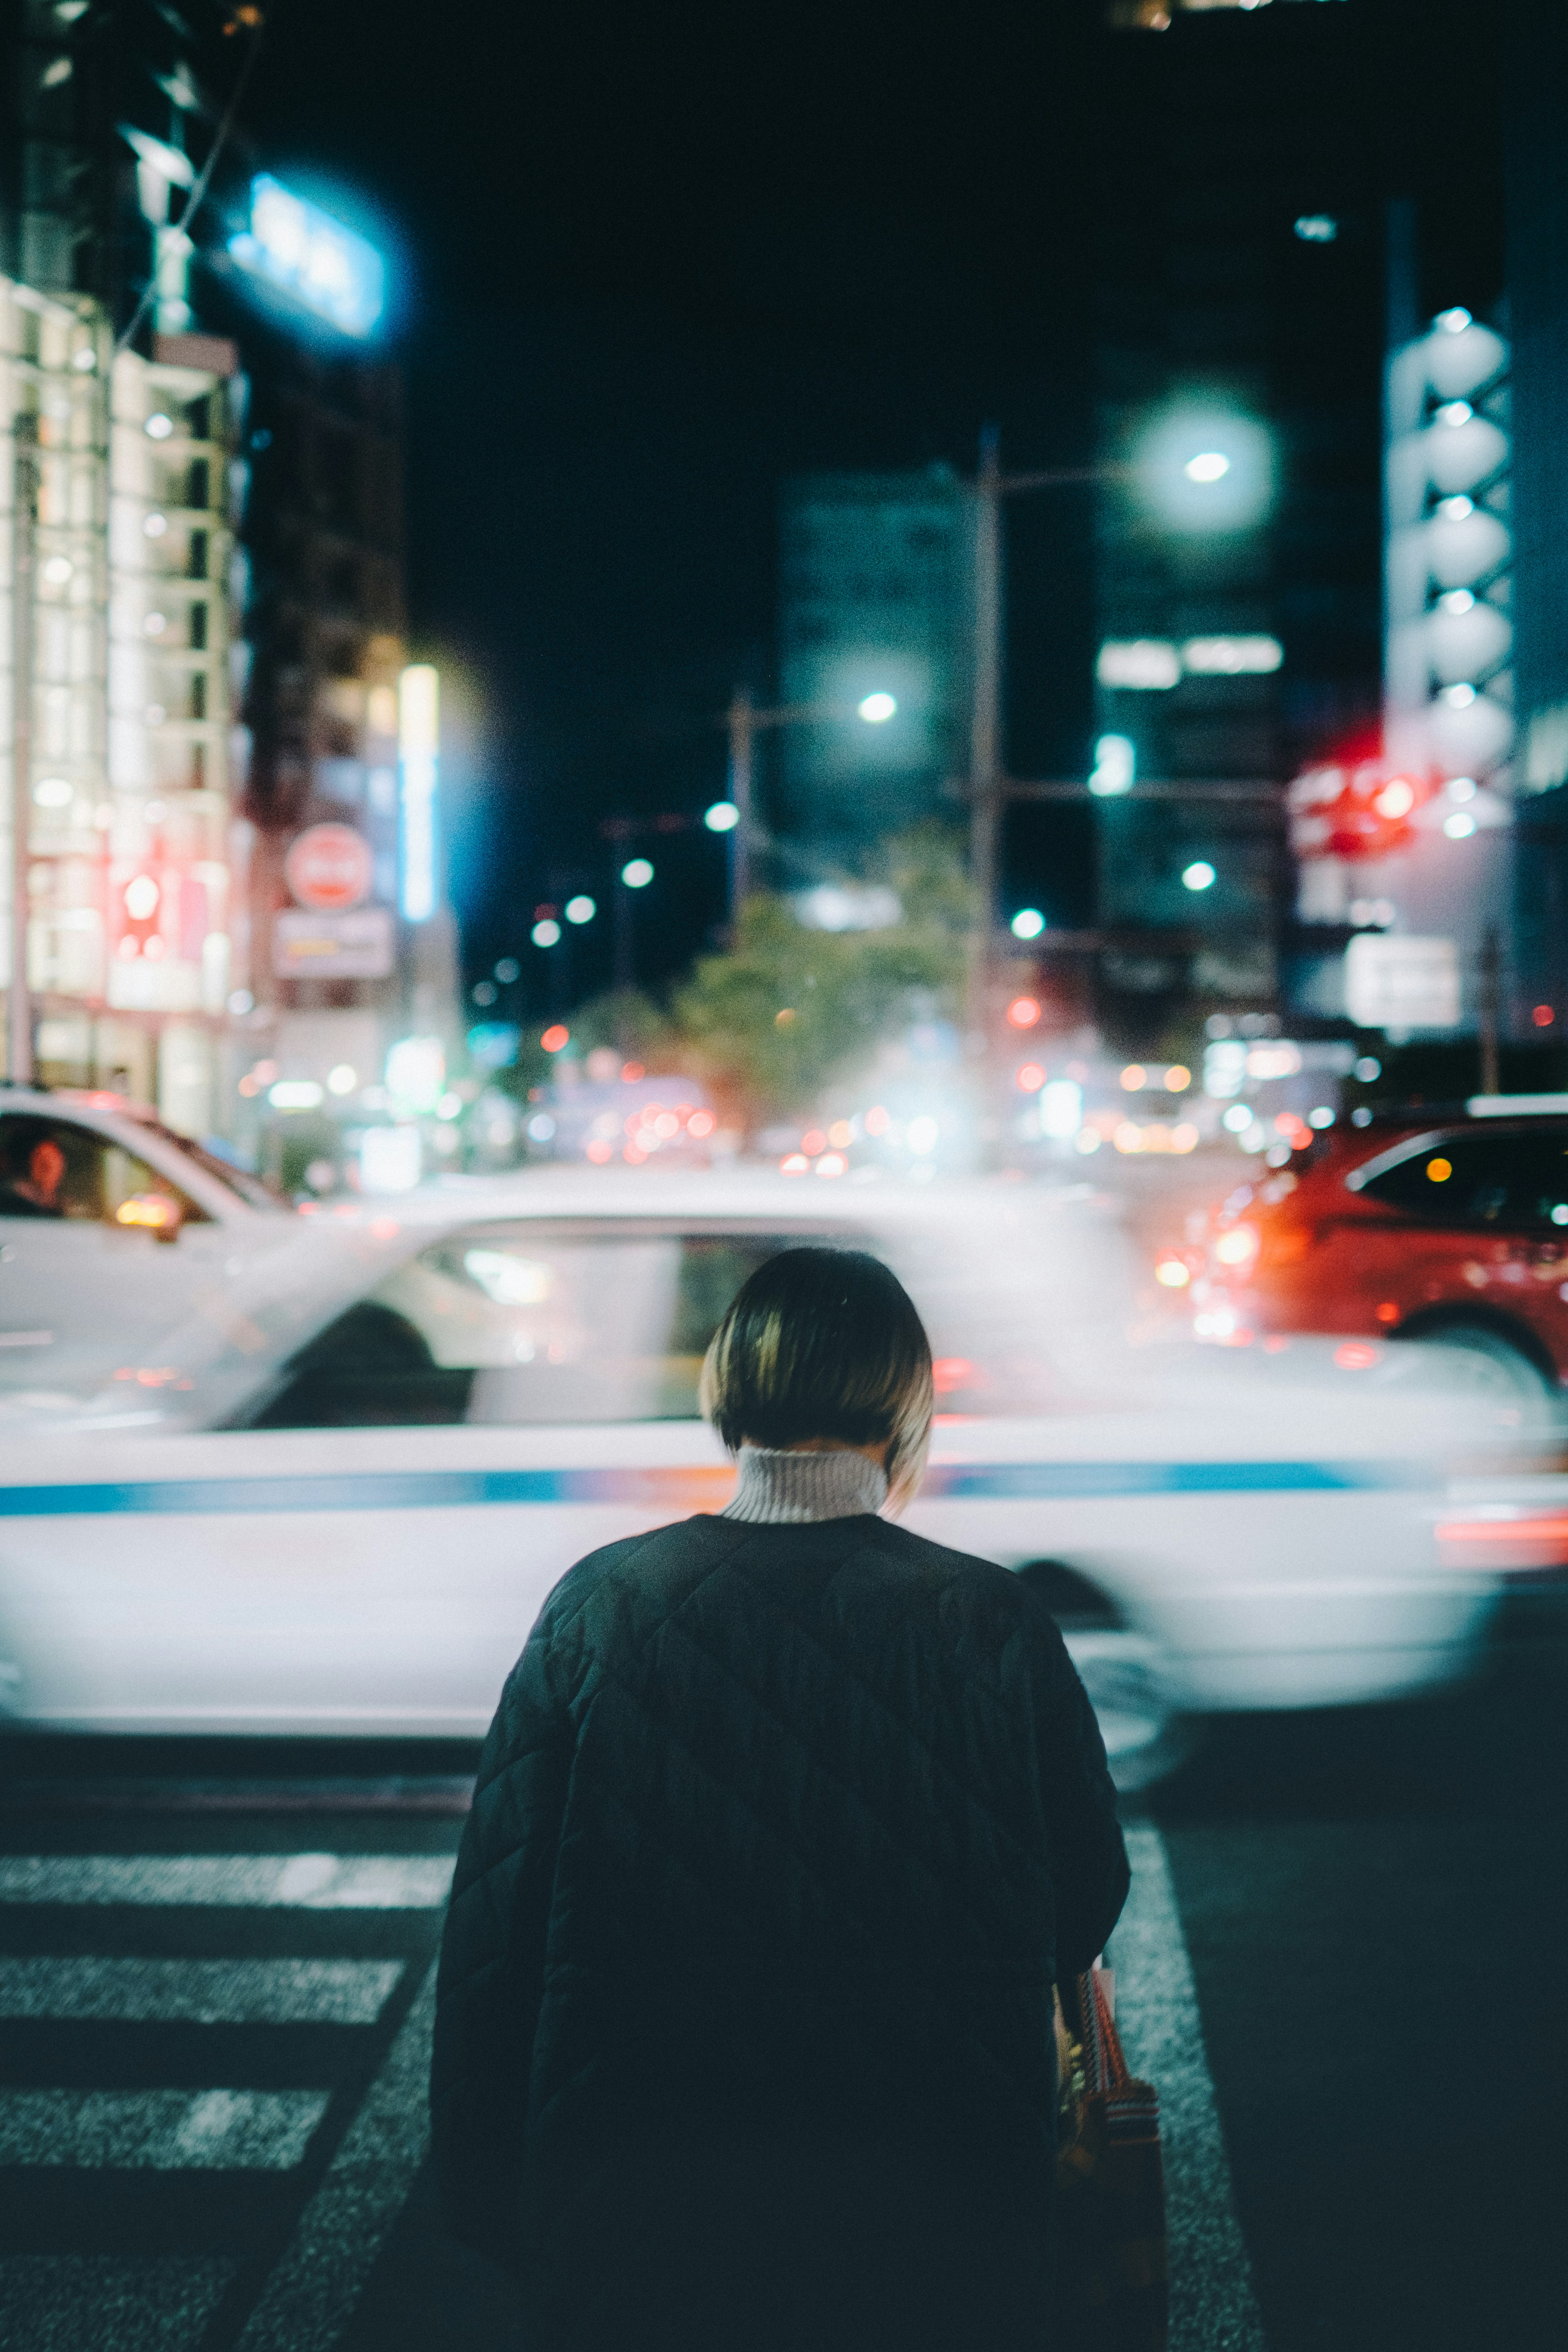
[[787, 1009]]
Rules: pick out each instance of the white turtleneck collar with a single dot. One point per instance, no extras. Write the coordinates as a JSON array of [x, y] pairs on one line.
[[782, 1488]]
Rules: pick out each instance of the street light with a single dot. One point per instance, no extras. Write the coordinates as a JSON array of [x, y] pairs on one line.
[[1115, 766], [1199, 875], [546, 933], [1028, 923], [581, 910], [1207, 469], [636, 873], [987, 781], [743, 718]]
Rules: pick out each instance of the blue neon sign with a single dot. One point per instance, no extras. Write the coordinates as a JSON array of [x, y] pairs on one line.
[[419, 744], [316, 261]]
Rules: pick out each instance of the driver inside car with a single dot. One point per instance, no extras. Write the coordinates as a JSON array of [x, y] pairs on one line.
[[32, 1170]]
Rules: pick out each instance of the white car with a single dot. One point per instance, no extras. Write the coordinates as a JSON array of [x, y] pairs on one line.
[[335, 1501], [111, 1228]]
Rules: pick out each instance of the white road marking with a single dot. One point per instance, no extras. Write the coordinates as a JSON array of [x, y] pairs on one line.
[[308, 1881], [160, 2131], [424, 1792], [95, 2302], [202, 1992], [1213, 2306], [310, 2294]]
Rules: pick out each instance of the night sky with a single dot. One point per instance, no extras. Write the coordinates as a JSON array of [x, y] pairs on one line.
[[649, 259]]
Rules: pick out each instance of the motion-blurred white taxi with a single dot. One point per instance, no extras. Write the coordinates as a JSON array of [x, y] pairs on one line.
[[111, 1228], [334, 1500]]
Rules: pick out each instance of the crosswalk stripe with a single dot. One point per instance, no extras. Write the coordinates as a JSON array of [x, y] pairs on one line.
[[1212, 2303], [311, 2295], [201, 1992], [160, 2131], [96, 2302], [308, 1882]]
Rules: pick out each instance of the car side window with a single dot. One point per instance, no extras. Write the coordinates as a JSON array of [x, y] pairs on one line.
[[1509, 1183], [53, 1170], [712, 1268], [519, 1325]]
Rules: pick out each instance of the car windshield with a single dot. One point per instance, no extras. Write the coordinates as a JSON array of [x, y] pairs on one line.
[[252, 1190]]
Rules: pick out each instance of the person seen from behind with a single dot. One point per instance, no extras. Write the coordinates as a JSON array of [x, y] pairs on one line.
[[787, 1821]]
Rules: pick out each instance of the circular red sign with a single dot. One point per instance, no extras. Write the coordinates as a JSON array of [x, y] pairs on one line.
[[329, 868]]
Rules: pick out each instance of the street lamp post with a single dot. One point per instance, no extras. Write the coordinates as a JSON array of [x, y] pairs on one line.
[[737, 817], [743, 720], [624, 961], [988, 783]]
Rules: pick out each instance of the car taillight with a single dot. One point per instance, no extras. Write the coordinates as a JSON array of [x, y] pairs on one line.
[[1236, 1247]]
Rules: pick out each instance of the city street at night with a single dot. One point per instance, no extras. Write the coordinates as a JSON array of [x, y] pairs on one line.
[[214, 1974], [784, 1176]]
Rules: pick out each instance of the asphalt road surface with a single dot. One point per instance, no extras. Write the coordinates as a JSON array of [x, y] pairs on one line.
[[1343, 1965]]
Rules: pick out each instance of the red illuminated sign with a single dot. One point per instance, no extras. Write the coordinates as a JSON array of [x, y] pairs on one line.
[[329, 868], [1358, 809]]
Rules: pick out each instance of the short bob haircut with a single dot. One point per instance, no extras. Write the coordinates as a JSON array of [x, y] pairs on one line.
[[824, 1343]]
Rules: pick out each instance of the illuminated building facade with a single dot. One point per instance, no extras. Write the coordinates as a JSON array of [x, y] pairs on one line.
[[1537, 992], [874, 599], [326, 629], [1237, 557], [131, 952], [232, 628]]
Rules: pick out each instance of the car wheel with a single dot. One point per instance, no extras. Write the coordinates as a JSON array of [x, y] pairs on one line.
[[1494, 1367], [1145, 1735]]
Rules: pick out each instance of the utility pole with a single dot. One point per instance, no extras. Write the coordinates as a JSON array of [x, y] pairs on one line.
[[984, 731], [989, 787], [1487, 1008], [620, 830], [742, 721], [625, 964], [24, 551]]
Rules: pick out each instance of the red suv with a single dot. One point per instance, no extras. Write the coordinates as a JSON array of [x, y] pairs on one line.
[[1420, 1226]]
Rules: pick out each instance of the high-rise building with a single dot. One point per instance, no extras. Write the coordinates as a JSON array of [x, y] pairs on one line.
[[242, 703], [874, 595], [130, 953], [130, 947], [1537, 92], [337, 978], [1238, 558]]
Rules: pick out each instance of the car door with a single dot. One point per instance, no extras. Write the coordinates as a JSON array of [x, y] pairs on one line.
[[370, 1553], [1485, 1226], [87, 1283]]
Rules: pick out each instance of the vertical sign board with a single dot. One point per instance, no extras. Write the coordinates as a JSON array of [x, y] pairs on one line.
[[1396, 982], [419, 744]]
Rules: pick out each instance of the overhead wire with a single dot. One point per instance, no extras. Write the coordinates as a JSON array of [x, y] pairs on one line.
[[253, 22]]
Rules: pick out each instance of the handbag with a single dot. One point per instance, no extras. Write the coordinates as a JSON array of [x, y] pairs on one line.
[[1113, 2289]]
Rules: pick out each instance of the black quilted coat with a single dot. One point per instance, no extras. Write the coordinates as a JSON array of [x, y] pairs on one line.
[[743, 2040]]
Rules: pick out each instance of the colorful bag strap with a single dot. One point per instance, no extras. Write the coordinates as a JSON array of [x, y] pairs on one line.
[[1110, 2068], [1094, 2030]]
